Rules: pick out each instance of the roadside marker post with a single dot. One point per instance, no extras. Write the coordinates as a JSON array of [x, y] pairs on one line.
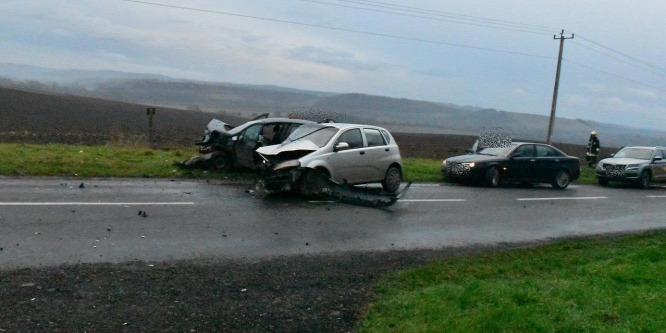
[[150, 112]]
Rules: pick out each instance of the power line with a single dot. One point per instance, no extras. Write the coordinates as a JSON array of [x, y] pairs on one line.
[[640, 66], [614, 75], [377, 34], [448, 14], [623, 54], [486, 23]]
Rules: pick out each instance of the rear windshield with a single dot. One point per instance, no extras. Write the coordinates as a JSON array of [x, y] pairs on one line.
[[318, 134], [638, 153]]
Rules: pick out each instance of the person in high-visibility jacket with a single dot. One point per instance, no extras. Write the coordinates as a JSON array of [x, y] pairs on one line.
[[593, 147]]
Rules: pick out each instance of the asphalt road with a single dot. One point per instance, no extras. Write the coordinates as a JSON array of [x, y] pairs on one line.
[[46, 222]]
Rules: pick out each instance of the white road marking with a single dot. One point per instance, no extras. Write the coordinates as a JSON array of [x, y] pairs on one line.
[[656, 196], [93, 203], [561, 198], [431, 200]]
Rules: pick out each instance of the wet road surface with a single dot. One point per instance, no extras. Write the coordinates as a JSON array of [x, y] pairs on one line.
[[46, 222]]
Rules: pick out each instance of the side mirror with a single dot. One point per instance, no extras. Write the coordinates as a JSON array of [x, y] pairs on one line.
[[234, 138], [341, 146], [470, 151], [657, 158], [514, 155]]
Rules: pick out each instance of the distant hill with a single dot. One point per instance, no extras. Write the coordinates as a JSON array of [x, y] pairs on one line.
[[394, 113]]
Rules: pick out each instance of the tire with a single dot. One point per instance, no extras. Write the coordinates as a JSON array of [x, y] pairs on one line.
[[645, 179], [561, 180], [492, 177], [602, 181], [220, 161], [392, 179]]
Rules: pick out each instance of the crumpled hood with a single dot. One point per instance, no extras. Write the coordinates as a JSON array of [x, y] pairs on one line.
[[217, 125], [300, 145], [473, 158], [623, 160]]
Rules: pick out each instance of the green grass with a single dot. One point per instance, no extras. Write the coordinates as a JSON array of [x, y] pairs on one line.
[[115, 161], [599, 285], [101, 161]]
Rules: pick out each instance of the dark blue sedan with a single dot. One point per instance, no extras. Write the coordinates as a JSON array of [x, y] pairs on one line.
[[519, 162]]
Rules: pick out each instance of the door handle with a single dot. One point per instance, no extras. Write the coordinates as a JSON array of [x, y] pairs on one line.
[[533, 160], [362, 153], [386, 149]]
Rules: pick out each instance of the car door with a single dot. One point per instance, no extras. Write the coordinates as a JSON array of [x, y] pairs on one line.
[[246, 144], [659, 166], [377, 154], [547, 162], [520, 166], [349, 165]]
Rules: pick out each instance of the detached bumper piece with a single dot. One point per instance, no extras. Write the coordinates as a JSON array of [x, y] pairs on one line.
[[310, 182]]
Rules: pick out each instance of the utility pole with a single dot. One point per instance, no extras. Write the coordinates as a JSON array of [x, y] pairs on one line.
[[557, 84]]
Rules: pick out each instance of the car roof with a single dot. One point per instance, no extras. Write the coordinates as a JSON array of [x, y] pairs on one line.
[[349, 125], [645, 147]]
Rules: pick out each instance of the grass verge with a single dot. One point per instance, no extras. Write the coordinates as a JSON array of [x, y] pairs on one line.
[[101, 161], [114, 161], [598, 285]]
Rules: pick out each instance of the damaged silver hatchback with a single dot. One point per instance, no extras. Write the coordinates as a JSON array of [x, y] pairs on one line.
[[344, 153]]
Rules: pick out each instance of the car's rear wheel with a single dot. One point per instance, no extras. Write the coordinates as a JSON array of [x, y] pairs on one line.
[[645, 180], [392, 179], [602, 181], [492, 177], [561, 180]]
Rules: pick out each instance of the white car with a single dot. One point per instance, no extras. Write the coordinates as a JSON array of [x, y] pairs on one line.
[[345, 153]]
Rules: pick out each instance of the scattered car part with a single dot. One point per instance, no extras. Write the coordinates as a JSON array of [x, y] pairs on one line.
[[314, 183]]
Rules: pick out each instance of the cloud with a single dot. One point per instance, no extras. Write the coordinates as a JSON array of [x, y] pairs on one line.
[[643, 93], [334, 58]]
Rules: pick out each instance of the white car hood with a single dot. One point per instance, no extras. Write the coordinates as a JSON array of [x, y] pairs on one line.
[[305, 145], [217, 125]]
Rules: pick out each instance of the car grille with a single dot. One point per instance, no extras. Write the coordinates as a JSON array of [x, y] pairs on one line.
[[614, 170]]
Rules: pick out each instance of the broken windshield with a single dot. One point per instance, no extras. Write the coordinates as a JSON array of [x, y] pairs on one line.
[[318, 134]]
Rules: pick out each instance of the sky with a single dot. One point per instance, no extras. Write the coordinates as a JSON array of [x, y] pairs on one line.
[[485, 53]]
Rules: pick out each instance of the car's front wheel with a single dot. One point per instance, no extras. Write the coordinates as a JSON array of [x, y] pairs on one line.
[[221, 161], [492, 177], [561, 180], [645, 180], [392, 180]]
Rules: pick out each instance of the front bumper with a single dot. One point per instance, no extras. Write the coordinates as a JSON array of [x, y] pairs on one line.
[[462, 171], [617, 173]]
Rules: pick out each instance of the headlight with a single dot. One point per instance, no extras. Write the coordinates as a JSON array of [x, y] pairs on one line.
[[633, 166], [287, 165], [444, 163], [471, 164]]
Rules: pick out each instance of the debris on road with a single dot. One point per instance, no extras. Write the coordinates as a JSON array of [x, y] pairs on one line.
[[310, 182]]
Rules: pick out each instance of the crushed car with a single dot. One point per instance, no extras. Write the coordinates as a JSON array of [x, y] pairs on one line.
[[328, 158], [225, 147], [638, 165]]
